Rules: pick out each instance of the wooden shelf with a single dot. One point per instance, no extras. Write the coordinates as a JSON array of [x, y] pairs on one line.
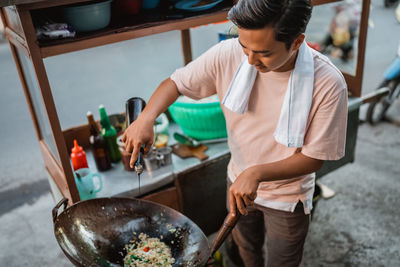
[[125, 27], [115, 35], [143, 24]]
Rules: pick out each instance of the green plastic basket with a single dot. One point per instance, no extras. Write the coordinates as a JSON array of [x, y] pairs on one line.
[[199, 120]]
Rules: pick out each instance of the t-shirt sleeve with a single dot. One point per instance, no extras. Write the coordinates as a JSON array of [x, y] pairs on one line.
[[326, 136], [198, 78]]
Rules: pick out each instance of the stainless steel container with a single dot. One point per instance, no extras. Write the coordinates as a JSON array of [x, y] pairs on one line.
[[158, 158]]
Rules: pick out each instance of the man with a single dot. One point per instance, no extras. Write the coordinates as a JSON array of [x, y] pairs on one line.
[[286, 110]]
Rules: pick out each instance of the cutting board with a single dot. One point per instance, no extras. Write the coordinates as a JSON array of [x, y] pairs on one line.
[[185, 151]]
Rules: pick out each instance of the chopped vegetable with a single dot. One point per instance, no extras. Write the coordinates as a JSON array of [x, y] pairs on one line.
[[147, 252]]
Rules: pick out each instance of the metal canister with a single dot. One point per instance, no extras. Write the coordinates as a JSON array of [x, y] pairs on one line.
[[165, 155]]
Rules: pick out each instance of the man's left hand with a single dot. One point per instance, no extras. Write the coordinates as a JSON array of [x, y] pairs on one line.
[[243, 191]]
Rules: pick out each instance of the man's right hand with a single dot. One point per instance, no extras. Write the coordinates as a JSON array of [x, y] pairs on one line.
[[139, 133]]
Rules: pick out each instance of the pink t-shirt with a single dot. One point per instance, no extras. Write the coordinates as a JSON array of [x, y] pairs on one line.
[[250, 135]]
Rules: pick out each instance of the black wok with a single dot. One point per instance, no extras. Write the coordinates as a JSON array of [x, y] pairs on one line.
[[94, 232]]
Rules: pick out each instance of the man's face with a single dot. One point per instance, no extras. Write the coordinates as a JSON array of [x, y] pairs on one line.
[[266, 53]]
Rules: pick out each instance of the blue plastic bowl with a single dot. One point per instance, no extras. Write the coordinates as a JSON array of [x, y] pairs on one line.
[[150, 4], [88, 17]]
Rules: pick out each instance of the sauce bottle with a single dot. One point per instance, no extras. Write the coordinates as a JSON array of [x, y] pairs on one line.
[[134, 106], [109, 135], [78, 157], [99, 148]]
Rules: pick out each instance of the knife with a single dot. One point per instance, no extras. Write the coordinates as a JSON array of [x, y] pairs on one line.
[[186, 140]]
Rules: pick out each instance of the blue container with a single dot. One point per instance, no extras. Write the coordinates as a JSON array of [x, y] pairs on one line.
[[225, 36], [150, 4], [88, 17]]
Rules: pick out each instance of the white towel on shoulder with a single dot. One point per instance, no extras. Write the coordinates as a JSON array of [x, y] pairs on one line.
[[296, 106], [238, 94]]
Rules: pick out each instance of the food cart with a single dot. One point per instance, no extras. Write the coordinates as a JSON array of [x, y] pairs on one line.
[[196, 188]]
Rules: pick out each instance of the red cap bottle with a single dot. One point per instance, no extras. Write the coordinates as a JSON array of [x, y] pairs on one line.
[[78, 157]]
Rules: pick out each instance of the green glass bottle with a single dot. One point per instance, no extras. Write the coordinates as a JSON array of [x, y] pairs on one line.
[[110, 135]]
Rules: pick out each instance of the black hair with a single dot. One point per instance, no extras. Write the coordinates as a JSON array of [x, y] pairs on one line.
[[289, 18]]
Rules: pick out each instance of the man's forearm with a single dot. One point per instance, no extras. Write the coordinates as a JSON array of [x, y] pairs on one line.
[[293, 166], [162, 98]]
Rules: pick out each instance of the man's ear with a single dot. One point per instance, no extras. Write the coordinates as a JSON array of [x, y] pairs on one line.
[[299, 40]]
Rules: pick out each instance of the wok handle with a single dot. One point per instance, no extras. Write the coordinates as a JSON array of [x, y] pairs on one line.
[[229, 222], [55, 209]]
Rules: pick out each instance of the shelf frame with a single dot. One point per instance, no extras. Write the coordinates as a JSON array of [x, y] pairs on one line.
[[21, 35]]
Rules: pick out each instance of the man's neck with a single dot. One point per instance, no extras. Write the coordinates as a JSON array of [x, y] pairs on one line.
[[289, 64]]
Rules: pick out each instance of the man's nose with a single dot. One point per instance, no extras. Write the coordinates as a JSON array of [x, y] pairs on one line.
[[252, 58]]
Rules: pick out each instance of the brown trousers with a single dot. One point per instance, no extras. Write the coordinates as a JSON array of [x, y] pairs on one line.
[[286, 234]]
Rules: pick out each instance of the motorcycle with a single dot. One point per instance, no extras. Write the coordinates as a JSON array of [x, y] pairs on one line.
[[378, 108]]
